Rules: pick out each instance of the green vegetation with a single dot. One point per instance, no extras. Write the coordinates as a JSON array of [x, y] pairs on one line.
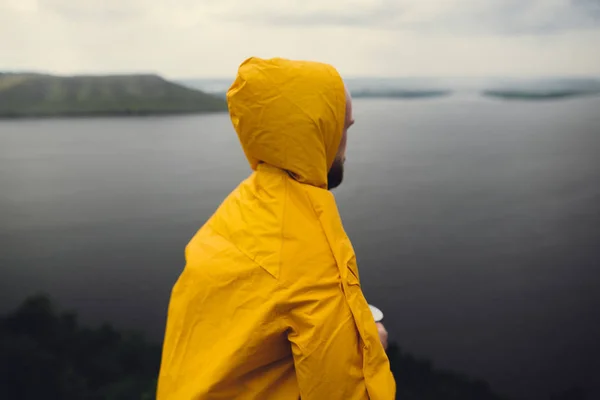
[[45, 354], [36, 95], [48, 355], [539, 95]]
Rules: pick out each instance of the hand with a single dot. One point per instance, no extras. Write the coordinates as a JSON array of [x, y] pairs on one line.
[[383, 335]]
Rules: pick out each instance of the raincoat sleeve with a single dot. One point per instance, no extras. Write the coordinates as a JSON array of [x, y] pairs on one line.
[[329, 355]]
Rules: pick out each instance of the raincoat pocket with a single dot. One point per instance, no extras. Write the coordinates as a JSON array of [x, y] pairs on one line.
[[363, 320], [358, 304]]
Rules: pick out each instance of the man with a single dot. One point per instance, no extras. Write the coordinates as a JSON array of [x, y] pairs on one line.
[[269, 305]]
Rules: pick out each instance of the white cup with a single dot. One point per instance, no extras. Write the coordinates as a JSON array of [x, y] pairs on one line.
[[377, 313]]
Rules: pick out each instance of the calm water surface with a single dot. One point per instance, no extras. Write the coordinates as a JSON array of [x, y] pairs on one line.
[[476, 224]]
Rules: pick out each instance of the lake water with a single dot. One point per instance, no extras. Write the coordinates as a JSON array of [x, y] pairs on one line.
[[476, 225]]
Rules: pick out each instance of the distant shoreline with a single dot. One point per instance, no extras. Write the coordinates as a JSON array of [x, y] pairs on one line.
[[41, 96], [401, 94], [48, 96], [537, 96], [491, 93], [422, 88], [109, 114]]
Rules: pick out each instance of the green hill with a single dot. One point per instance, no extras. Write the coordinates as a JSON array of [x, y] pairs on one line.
[[37, 95]]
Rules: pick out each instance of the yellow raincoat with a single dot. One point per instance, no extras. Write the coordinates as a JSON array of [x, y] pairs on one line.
[[269, 305]]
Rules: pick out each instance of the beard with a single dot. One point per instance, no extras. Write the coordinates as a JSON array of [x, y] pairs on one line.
[[335, 176]]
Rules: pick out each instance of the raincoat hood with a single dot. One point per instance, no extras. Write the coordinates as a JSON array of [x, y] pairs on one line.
[[290, 115]]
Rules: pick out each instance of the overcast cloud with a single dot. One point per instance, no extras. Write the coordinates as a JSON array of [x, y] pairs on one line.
[[204, 38]]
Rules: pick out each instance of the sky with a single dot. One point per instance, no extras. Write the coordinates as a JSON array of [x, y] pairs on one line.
[[383, 38]]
